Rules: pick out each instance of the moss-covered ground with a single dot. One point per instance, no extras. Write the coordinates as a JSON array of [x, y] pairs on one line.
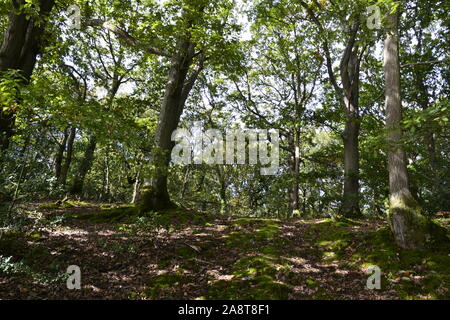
[[181, 254]]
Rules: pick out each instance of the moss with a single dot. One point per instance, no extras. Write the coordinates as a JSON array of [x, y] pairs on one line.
[[111, 215], [321, 294], [239, 239], [339, 222], [49, 206], [255, 265], [35, 235], [311, 283], [333, 245], [258, 288], [64, 204], [164, 263], [332, 238], [163, 283], [255, 275], [330, 256], [267, 231], [183, 217], [429, 270], [433, 286], [329, 230], [270, 250], [431, 266], [412, 229], [186, 252], [244, 221], [253, 234]]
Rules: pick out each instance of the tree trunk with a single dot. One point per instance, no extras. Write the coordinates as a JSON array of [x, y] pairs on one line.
[[411, 229], [69, 155], [294, 163], [85, 166], [350, 203], [107, 182], [350, 65], [155, 195], [21, 44], [60, 155], [137, 183]]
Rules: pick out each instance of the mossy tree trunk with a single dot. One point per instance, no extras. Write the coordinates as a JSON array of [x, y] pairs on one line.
[[410, 227]]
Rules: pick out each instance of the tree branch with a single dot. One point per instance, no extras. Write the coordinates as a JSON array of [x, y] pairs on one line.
[[425, 62], [126, 37]]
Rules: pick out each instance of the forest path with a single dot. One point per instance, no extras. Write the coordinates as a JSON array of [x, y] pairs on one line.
[[185, 255]]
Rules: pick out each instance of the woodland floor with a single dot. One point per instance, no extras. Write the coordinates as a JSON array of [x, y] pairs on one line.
[[184, 255]]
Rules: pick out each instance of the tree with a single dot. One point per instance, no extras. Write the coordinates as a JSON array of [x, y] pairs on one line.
[[347, 95], [22, 42], [200, 35], [410, 227]]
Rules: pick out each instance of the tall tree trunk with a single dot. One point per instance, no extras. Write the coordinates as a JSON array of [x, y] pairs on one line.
[[69, 155], [350, 66], [155, 195], [60, 155], [350, 203], [107, 183], [21, 44], [410, 227], [348, 96], [85, 166], [294, 163]]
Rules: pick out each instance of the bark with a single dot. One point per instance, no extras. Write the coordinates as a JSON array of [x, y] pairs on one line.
[[294, 164], [411, 229], [85, 166], [136, 185], [22, 42], [349, 67], [350, 203], [69, 155], [60, 155], [107, 178]]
